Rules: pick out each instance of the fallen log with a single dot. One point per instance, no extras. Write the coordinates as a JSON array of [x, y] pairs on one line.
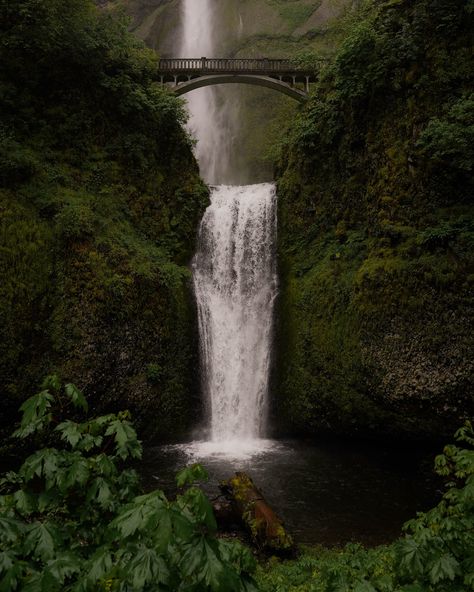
[[226, 515], [265, 527]]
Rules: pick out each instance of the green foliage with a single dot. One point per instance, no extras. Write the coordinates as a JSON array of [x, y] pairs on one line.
[[309, 60], [296, 13], [435, 555], [100, 198], [450, 141], [376, 228], [72, 517]]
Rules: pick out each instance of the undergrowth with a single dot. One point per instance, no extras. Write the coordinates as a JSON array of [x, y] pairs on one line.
[[73, 517]]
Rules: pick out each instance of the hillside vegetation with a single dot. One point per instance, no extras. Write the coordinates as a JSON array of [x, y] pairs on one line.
[[376, 230], [99, 203]]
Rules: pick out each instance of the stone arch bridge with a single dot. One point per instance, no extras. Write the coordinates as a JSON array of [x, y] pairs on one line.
[[283, 76]]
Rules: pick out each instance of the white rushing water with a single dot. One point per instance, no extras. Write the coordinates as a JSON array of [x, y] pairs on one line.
[[234, 269], [211, 123], [235, 282]]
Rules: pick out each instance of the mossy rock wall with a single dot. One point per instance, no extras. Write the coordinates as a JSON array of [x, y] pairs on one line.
[[100, 199], [376, 232]]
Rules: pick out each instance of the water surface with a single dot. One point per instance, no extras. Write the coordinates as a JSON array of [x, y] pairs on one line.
[[327, 493]]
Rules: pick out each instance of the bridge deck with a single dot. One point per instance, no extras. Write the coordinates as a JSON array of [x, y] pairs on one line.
[[191, 67]]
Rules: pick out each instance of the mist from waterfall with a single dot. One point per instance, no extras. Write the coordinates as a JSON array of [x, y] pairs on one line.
[[213, 120]]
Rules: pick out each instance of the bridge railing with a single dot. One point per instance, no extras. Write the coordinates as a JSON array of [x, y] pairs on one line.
[[226, 65]]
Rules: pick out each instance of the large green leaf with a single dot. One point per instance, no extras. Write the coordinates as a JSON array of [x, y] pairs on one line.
[[183, 528], [42, 539], [218, 576], [147, 567], [77, 474], [237, 554], [125, 438], [51, 382], [99, 564], [25, 502], [162, 536], [143, 514], [76, 397], [191, 474], [10, 528], [70, 432], [202, 562], [42, 582], [12, 569], [44, 463], [412, 556], [100, 492], [445, 567], [35, 414], [200, 507], [64, 566]]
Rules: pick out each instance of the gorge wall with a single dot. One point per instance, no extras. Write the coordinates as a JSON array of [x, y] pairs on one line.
[[376, 231], [100, 198]]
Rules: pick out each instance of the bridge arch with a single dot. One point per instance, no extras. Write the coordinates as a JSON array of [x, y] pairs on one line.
[[265, 81]]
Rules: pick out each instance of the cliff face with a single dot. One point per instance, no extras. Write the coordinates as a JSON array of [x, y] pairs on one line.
[[100, 199], [375, 214], [377, 232], [251, 26]]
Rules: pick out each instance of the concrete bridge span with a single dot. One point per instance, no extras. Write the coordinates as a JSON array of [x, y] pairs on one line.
[[185, 75]]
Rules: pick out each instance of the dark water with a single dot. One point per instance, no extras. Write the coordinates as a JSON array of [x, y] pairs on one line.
[[330, 493]]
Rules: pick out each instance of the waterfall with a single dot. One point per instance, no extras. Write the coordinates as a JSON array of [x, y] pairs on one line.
[[210, 122], [234, 269], [235, 283]]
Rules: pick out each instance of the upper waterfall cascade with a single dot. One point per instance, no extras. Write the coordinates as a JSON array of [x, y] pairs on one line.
[[211, 122]]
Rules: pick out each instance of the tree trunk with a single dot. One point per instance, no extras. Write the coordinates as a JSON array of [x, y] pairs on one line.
[[266, 528]]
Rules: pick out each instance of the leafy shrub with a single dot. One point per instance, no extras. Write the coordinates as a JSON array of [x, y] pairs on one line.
[[17, 163], [154, 372], [73, 519], [75, 222], [450, 140]]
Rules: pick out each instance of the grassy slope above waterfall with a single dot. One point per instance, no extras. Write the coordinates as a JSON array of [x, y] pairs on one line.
[[377, 232], [99, 202]]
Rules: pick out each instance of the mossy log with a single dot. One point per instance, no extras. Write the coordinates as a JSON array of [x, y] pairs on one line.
[[266, 528]]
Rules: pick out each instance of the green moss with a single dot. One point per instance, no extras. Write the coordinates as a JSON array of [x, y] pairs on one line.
[[375, 241], [100, 199]]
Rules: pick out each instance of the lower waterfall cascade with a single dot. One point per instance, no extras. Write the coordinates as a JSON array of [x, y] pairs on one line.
[[235, 282]]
